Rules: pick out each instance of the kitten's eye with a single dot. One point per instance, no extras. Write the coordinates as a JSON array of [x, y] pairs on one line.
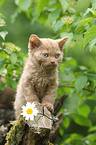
[[57, 55], [45, 55]]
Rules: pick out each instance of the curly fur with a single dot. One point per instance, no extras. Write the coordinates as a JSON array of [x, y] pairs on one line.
[[39, 81]]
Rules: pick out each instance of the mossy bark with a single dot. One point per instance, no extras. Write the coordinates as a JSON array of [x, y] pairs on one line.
[[15, 135]]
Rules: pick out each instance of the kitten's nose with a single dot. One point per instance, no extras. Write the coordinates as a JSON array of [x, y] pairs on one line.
[[52, 62]]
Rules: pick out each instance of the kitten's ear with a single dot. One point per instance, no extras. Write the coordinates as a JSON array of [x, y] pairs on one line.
[[34, 41], [62, 42]]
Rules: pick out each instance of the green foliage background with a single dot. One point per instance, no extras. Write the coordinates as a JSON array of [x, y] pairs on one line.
[[77, 72]]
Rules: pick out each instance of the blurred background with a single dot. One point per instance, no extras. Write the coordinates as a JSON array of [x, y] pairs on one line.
[[77, 73], [20, 27], [23, 19]]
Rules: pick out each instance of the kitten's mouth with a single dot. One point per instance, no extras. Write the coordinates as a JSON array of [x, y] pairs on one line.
[[50, 66]]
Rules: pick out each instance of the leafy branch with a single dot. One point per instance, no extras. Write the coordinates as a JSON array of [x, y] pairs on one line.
[[70, 86]]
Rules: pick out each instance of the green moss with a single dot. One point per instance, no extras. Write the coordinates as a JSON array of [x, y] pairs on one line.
[[14, 136]]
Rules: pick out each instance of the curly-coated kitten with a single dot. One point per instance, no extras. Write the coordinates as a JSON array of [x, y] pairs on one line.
[[39, 81]]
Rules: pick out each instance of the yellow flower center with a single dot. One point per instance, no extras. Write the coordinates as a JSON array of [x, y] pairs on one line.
[[29, 111]]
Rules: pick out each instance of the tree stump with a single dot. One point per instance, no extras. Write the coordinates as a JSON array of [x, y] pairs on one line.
[[40, 127], [37, 131]]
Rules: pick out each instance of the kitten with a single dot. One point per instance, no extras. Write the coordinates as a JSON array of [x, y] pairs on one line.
[[39, 81]]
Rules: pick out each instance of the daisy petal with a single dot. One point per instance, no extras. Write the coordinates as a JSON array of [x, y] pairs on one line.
[[21, 113], [31, 117], [33, 104], [35, 111], [28, 104], [24, 115], [23, 107], [27, 117]]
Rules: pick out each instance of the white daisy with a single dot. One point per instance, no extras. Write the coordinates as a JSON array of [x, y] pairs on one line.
[[29, 111]]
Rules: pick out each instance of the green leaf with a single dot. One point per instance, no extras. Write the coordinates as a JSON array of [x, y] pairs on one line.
[[84, 110], [91, 76], [54, 15], [25, 4], [2, 62], [2, 85], [89, 10], [73, 137], [66, 122], [17, 2], [13, 84], [80, 82], [82, 5], [92, 43], [2, 22], [95, 13], [57, 25], [41, 4], [71, 103], [64, 4], [13, 58], [92, 129], [94, 4], [3, 34], [61, 131], [66, 76], [2, 15], [91, 33], [1, 70], [2, 2], [42, 19], [81, 120], [10, 47], [94, 110], [83, 22]]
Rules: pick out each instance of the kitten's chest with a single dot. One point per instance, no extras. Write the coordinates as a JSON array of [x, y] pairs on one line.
[[41, 85], [40, 82]]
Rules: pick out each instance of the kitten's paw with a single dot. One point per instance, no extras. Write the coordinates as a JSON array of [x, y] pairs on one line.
[[37, 103], [49, 107]]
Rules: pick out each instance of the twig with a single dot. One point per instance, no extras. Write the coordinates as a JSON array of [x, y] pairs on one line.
[[59, 103], [55, 129], [69, 86]]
